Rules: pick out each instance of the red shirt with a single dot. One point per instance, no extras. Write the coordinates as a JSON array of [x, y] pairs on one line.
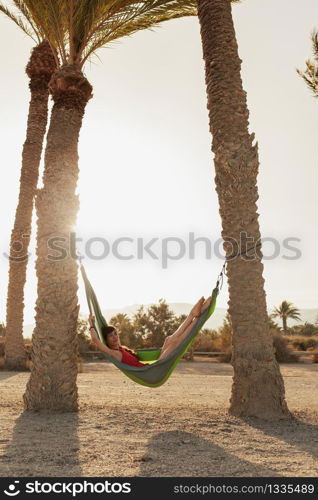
[[129, 358]]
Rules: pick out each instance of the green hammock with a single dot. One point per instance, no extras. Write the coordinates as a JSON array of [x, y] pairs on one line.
[[155, 372]]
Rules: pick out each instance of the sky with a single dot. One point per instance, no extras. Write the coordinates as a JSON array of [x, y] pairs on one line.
[[146, 167]]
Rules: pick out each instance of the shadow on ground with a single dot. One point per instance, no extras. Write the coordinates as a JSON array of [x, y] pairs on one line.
[[300, 435], [4, 375], [186, 454], [43, 444]]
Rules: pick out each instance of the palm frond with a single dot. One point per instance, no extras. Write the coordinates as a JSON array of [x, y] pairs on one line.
[[26, 27], [314, 39], [310, 77], [86, 17], [310, 74], [135, 17], [50, 15], [294, 315], [75, 29], [286, 309], [20, 5], [96, 16], [58, 15]]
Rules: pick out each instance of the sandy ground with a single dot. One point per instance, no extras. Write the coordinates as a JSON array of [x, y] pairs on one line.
[[179, 429]]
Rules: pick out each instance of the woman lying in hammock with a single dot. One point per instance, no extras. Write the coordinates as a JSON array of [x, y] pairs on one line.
[[114, 348]]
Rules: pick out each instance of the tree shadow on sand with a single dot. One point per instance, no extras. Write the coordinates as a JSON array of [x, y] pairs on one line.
[[4, 375], [295, 432], [43, 444], [179, 453]]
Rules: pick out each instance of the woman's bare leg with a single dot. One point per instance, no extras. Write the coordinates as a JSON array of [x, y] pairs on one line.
[[170, 344], [195, 312], [203, 305], [184, 329]]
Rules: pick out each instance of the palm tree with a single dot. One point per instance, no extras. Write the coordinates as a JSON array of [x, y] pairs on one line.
[[258, 388], [39, 69], [310, 75], [286, 310], [75, 30]]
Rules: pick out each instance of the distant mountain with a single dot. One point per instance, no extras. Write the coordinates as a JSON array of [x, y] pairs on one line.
[[215, 321]]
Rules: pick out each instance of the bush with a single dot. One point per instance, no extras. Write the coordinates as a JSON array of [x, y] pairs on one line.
[[27, 346], [315, 357], [150, 327], [282, 352], [303, 343], [207, 341], [308, 329]]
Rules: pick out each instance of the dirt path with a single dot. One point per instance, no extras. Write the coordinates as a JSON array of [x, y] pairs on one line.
[[180, 429]]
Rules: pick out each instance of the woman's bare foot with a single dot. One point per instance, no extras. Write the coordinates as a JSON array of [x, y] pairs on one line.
[[206, 304], [196, 309]]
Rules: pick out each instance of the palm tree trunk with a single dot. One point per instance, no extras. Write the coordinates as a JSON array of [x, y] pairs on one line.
[[52, 383], [285, 325], [39, 69], [258, 388]]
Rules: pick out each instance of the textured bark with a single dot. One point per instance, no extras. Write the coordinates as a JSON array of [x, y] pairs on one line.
[[39, 69], [285, 325], [52, 383], [258, 388]]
